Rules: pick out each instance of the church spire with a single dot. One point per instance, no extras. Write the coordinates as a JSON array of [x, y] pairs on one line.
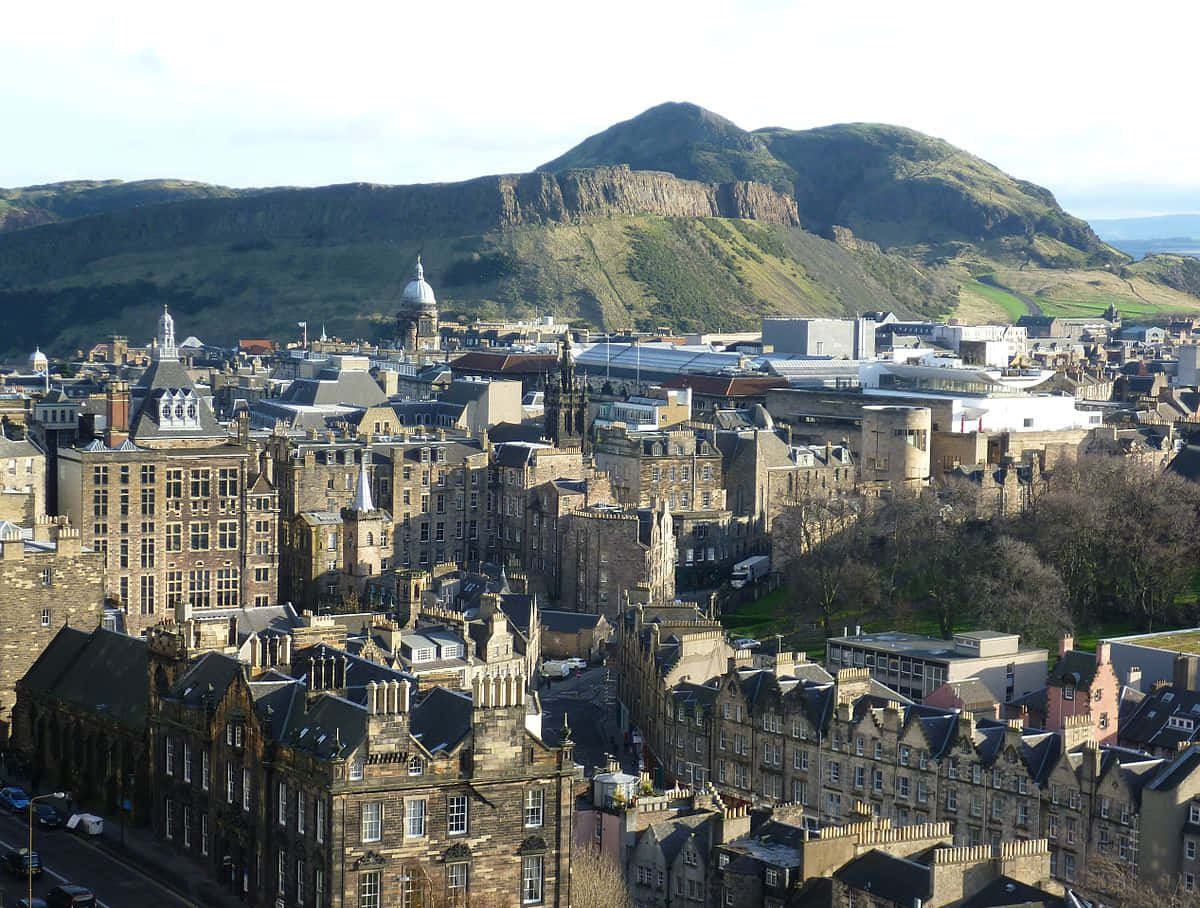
[[362, 492], [166, 336]]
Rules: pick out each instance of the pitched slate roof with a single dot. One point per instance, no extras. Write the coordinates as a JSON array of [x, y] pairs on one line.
[[103, 672], [1149, 725], [1076, 666], [210, 675], [567, 622], [888, 878], [442, 719]]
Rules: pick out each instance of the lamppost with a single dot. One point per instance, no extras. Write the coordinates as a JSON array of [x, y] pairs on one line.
[[29, 856]]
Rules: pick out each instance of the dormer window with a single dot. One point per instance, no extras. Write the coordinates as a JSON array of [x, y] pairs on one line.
[[1068, 691], [166, 411], [416, 766], [179, 411], [356, 769]]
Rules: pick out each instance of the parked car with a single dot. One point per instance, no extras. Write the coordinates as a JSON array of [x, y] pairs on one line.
[[745, 643], [47, 816], [555, 670], [14, 798], [575, 663], [23, 863], [70, 896], [36, 903]]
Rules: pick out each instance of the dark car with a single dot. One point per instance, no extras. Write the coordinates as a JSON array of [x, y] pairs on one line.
[[23, 863], [36, 903], [14, 798], [69, 896], [47, 816]]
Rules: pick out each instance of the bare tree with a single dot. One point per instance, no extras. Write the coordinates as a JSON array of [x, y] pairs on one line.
[[820, 544], [597, 881], [1117, 883], [1014, 591]]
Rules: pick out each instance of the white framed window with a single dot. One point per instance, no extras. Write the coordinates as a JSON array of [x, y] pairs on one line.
[[319, 886], [246, 789], [169, 747], [299, 881], [531, 879], [283, 795], [187, 761], [356, 769], [229, 785], [204, 770], [319, 820], [372, 821], [416, 766], [534, 800], [300, 812], [414, 818], [772, 876], [187, 826], [204, 833], [456, 815], [1189, 849], [457, 878], [169, 817], [281, 872]]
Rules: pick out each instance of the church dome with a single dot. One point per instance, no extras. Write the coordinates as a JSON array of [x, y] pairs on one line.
[[418, 295], [38, 361]]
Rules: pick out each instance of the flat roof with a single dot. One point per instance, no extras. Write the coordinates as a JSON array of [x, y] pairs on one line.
[[1178, 641], [906, 644]]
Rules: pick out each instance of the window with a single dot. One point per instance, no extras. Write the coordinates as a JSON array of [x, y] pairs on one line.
[[187, 761], [229, 785], [414, 819], [416, 765], [227, 535], [175, 484], [227, 482], [300, 812], [1189, 849], [456, 815], [169, 827], [299, 881], [45, 617], [199, 591], [531, 879], [457, 875], [246, 790], [146, 592], [198, 536], [356, 769], [319, 820], [227, 587], [282, 803], [319, 886], [772, 876], [147, 502], [368, 888], [169, 747], [1189, 882], [372, 821], [533, 807], [174, 541], [1193, 814], [204, 833], [200, 483], [281, 872], [204, 770], [262, 575]]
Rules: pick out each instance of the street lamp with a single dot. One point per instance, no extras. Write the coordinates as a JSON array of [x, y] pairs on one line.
[[29, 858]]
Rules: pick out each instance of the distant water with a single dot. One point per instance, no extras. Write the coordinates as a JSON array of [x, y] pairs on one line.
[[1175, 245]]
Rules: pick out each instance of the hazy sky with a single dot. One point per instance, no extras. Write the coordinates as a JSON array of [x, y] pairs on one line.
[[1095, 105]]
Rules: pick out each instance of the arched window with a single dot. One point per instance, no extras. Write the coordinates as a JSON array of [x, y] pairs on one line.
[[370, 538], [179, 411], [191, 411], [166, 411]]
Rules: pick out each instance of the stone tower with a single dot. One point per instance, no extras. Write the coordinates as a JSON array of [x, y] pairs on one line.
[[417, 320], [566, 402], [365, 531]]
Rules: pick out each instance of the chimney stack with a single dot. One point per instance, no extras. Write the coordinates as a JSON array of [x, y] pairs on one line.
[[117, 413], [1066, 644]]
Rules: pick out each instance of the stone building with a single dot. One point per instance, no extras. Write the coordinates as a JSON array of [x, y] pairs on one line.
[[366, 531], [608, 552], [46, 581], [310, 559], [180, 510], [566, 405], [674, 468], [547, 507], [516, 469], [54, 424], [785, 736], [417, 318], [349, 789], [22, 481]]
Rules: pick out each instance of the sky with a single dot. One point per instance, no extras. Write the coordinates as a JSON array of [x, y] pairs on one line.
[[1090, 100]]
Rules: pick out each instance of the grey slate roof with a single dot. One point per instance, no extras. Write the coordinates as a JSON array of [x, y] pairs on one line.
[[103, 671], [567, 622], [442, 719], [888, 878]]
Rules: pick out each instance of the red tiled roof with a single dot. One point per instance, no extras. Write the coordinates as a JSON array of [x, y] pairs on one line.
[[479, 361]]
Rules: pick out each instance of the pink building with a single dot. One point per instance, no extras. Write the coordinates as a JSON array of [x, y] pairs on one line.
[[1083, 684]]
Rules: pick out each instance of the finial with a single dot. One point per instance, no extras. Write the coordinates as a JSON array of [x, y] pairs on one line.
[[420, 270]]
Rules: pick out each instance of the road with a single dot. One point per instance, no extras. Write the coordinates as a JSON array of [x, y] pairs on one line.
[[589, 700], [68, 858]]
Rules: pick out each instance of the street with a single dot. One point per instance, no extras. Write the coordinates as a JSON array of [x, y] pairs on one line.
[[68, 858], [589, 700]]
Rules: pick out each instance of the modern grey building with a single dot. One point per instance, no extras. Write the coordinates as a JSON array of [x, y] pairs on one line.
[[850, 338], [915, 666]]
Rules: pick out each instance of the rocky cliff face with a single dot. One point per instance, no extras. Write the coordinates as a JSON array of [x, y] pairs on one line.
[[364, 212]]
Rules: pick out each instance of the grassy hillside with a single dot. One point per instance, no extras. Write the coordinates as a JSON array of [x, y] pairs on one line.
[[893, 186], [645, 271], [31, 206]]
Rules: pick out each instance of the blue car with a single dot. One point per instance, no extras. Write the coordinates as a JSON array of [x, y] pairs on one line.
[[14, 799]]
